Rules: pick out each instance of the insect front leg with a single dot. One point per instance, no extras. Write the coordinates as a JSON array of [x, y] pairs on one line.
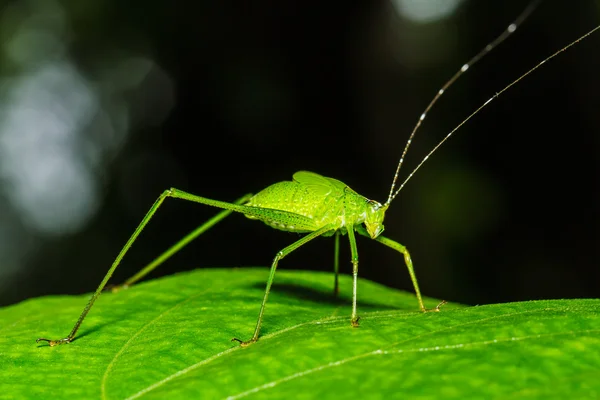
[[276, 260], [407, 260]]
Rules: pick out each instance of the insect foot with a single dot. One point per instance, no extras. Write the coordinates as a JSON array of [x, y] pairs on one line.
[[115, 288], [437, 308], [53, 343], [242, 343], [118, 288], [354, 322]]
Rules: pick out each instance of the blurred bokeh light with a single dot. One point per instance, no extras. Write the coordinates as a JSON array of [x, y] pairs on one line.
[[426, 11], [104, 104], [59, 129]]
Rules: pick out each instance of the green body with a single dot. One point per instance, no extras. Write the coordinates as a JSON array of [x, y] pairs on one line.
[[321, 201], [310, 204]]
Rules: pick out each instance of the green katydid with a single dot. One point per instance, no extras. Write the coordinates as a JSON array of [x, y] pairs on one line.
[[310, 204]]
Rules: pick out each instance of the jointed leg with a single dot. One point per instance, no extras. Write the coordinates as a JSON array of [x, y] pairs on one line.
[[175, 193], [183, 242], [278, 257], [336, 264], [354, 252], [398, 247]]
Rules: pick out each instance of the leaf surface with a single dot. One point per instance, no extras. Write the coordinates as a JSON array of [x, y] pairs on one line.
[[170, 338]]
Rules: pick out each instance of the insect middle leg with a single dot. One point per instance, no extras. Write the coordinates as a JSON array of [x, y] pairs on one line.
[[281, 254], [336, 264], [354, 253]]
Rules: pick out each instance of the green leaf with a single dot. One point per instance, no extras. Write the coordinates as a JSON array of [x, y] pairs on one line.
[[170, 338]]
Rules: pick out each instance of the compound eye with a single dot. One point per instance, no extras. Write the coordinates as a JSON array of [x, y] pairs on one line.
[[374, 205]]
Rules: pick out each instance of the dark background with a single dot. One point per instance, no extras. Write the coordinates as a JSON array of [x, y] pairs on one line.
[[506, 211]]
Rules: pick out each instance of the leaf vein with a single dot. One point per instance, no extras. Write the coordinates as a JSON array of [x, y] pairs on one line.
[[111, 364], [378, 352]]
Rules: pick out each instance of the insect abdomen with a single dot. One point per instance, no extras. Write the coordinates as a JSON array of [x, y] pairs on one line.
[[294, 198]]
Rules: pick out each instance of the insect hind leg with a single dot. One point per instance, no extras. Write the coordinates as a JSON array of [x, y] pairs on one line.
[[180, 244], [173, 193]]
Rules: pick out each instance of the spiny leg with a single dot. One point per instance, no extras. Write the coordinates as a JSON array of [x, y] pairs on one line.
[[354, 252], [114, 266], [407, 260], [174, 193], [336, 264], [281, 254], [182, 243]]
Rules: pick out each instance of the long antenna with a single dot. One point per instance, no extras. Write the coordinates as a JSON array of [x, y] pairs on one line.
[[489, 101], [505, 34]]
